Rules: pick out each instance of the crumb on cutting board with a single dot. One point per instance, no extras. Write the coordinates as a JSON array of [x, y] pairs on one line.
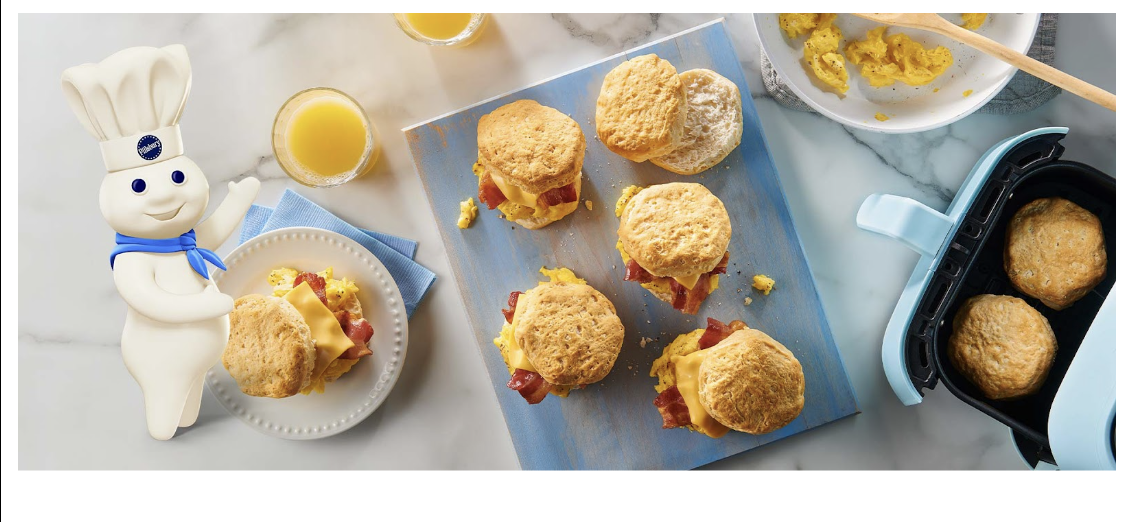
[[748, 301], [588, 204], [467, 213], [763, 283]]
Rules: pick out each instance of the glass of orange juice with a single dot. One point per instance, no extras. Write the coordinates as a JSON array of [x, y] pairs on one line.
[[323, 138], [451, 29]]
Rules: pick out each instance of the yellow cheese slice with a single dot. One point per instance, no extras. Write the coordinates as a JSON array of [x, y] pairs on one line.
[[329, 338], [686, 378], [688, 281], [514, 193]]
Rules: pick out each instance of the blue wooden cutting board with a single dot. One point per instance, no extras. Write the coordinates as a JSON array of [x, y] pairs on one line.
[[613, 424]]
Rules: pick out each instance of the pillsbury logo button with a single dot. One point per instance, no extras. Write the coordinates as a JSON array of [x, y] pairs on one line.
[[149, 147]]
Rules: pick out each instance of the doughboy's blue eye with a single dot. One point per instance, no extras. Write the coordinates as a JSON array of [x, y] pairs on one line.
[[178, 177], [138, 186]]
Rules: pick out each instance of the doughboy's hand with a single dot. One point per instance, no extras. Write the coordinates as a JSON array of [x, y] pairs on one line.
[[246, 188]]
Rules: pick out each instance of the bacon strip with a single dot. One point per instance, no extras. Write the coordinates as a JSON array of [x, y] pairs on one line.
[[559, 195], [359, 331], [716, 331], [489, 193], [530, 384], [673, 408], [508, 313], [316, 282]]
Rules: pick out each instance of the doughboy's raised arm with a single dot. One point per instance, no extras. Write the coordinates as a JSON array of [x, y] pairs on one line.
[[216, 229]]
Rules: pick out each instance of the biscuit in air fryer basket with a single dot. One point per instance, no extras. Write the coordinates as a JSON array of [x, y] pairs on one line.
[[1055, 251], [1002, 345]]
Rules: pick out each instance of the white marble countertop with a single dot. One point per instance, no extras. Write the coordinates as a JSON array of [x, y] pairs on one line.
[[79, 408]]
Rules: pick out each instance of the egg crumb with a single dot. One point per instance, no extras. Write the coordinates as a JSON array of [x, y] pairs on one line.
[[967, 93], [973, 21], [588, 204], [763, 283], [627, 194], [467, 213], [881, 117]]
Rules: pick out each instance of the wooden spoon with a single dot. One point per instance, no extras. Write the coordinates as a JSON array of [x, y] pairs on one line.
[[936, 24]]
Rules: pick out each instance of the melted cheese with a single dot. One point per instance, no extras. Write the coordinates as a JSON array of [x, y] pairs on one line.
[[328, 336], [513, 193], [686, 378], [688, 281]]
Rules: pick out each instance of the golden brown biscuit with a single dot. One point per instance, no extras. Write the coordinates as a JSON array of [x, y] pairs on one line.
[[675, 229], [1002, 345], [569, 332], [714, 123], [642, 108], [531, 146], [270, 352], [1055, 251], [750, 382]]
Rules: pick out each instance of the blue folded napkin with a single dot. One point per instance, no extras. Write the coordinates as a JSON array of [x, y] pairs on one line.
[[395, 253]]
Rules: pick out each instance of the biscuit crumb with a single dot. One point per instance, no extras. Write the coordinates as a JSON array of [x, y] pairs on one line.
[[588, 204], [748, 301], [763, 283]]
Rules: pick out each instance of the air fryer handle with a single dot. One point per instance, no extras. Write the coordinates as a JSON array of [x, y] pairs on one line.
[[911, 223]]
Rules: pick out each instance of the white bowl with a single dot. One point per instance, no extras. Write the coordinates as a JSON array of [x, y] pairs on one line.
[[910, 109]]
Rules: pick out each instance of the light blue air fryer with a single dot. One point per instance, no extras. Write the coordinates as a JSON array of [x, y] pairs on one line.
[[1070, 422]]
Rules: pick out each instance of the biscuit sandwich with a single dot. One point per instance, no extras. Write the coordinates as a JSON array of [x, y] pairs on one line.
[[642, 109], [558, 336], [310, 332], [529, 164], [713, 126], [674, 241], [1055, 251], [728, 377]]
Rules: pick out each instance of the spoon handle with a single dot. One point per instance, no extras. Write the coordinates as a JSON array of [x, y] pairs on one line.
[[1024, 63]]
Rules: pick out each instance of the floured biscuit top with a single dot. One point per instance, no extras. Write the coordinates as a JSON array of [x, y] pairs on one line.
[[569, 332], [531, 146], [641, 108], [750, 382], [675, 229], [1055, 251]]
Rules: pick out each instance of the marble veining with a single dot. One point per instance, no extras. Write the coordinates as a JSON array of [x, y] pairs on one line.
[[78, 408]]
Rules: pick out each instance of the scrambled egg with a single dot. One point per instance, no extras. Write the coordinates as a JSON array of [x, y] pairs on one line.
[[881, 117], [628, 193], [897, 58], [515, 211], [507, 344], [763, 283], [467, 213], [973, 21], [821, 49], [337, 290], [967, 93]]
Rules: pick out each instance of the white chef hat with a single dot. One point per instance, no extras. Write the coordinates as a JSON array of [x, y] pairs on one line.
[[131, 102]]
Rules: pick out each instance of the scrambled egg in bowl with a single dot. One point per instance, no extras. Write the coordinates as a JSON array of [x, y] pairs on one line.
[[973, 21], [821, 49], [883, 61]]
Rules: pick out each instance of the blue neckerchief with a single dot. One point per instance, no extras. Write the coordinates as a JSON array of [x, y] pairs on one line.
[[186, 243]]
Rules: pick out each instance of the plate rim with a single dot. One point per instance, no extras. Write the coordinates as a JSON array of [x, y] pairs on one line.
[[988, 95], [382, 385]]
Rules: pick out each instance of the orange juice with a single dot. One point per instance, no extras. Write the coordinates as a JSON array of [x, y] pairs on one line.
[[322, 138], [326, 136], [439, 26]]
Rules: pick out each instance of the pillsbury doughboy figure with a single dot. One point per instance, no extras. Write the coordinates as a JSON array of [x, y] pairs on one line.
[[154, 197]]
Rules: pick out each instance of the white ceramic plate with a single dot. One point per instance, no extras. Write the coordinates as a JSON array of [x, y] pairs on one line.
[[348, 400], [911, 109]]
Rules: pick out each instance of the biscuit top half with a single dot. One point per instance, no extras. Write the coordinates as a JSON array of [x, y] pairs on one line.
[[750, 382], [531, 146], [675, 229], [569, 332], [642, 108]]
